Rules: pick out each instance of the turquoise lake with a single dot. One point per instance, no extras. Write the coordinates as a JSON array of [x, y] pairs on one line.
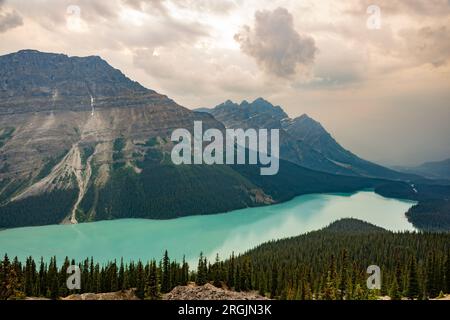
[[237, 231]]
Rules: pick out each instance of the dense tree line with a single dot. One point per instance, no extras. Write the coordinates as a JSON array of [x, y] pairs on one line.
[[332, 263], [327, 264], [45, 209], [432, 213], [42, 279]]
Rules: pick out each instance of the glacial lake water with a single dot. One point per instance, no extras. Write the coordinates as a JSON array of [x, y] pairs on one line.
[[237, 231]]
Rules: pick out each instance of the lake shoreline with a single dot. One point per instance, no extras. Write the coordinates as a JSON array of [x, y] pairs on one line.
[[66, 223], [236, 231]]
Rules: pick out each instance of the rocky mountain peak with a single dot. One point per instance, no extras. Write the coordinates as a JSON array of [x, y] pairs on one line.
[[59, 82], [261, 101], [304, 125]]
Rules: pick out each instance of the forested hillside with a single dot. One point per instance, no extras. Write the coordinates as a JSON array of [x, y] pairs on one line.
[[432, 213]]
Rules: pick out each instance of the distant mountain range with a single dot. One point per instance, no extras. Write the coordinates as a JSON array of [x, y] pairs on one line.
[[79, 141], [431, 170], [303, 140]]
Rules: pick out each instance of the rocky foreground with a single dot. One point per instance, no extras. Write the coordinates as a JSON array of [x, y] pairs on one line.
[[209, 292], [189, 292], [120, 295]]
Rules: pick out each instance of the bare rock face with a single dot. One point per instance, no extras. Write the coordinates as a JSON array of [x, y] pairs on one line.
[[79, 141], [209, 292], [33, 81]]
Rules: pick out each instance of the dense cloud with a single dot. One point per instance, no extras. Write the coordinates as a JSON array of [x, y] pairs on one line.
[[8, 19], [428, 44], [275, 44]]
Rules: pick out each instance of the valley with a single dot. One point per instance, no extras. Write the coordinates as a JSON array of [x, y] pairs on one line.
[[80, 133]]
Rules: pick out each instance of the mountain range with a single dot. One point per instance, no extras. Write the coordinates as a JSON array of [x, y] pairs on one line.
[[431, 170], [303, 140], [79, 141]]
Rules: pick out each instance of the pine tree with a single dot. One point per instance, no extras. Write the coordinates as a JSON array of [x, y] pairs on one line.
[[246, 276], [62, 278], [91, 280], [202, 272], [140, 281], [399, 276], [344, 275], [237, 280], [413, 290], [330, 281], [447, 273], [394, 292], [13, 283], [329, 292], [121, 275], [274, 282], [42, 279], [114, 277], [431, 285], [184, 272], [231, 270], [217, 273], [5, 288], [53, 285], [97, 278], [151, 287], [165, 279], [262, 288], [30, 277]]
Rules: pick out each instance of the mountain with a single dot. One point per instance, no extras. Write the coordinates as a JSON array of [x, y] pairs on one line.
[[431, 170], [303, 140], [79, 141]]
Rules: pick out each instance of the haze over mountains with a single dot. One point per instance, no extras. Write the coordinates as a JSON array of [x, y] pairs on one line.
[[431, 170], [79, 141], [303, 140]]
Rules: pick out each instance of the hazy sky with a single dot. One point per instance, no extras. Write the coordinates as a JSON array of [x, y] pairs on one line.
[[380, 86]]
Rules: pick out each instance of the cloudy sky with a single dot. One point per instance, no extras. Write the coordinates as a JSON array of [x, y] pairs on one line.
[[377, 77]]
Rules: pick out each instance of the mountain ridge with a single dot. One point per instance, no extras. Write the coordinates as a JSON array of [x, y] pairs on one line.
[[33, 81], [433, 169], [303, 140]]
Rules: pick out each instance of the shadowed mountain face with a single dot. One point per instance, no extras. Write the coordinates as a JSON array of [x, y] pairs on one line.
[[79, 141], [303, 140]]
